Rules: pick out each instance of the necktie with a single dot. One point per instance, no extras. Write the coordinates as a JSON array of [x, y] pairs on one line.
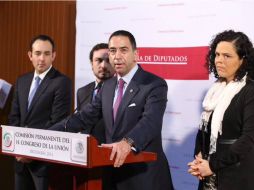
[[98, 87], [33, 91], [97, 90], [119, 97]]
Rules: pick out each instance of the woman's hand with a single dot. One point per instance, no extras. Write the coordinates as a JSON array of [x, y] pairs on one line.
[[203, 167], [193, 167]]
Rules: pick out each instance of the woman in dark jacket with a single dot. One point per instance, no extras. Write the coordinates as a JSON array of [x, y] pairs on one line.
[[224, 151]]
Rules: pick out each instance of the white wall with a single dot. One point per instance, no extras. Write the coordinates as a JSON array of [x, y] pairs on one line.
[[172, 25]]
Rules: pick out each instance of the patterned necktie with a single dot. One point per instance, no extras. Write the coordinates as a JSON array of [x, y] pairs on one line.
[[119, 97], [97, 90], [98, 87], [33, 91]]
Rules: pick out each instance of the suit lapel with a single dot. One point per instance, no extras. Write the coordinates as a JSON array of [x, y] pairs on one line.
[[88, 95], [129, 94], [108, 97], [44, 84], [24, 93]]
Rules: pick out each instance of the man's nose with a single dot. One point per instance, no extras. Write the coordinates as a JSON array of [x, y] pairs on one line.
[[118, 54], [42, 57], [103, 63]]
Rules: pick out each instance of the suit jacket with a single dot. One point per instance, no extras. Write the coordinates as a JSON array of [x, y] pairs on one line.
[[51, 103], [139, 117], [85, 96], [233, 161]]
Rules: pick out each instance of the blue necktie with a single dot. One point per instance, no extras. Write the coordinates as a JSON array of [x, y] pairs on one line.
[[96, 90], [33, 91]]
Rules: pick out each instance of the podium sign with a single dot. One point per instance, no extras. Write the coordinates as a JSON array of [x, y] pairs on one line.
[[78, 158], [48, 145]]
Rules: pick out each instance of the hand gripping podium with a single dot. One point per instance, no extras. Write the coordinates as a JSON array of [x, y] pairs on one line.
[[77, 161]]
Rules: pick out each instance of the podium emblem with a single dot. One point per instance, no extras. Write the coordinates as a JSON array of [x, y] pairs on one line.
[[79, 150], [79, 147], [8, 141]]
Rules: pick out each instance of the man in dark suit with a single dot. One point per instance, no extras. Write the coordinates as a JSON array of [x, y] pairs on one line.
[[41, 98], [102, 71], [132, 105]]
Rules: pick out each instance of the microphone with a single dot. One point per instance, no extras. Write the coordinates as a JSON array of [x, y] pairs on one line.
[[66, 122], [77, 111], [75, 119], [63, 125]]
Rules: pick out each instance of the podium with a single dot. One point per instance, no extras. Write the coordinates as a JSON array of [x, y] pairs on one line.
[[77, 176]]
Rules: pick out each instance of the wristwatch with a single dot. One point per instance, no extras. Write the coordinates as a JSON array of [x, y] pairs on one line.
[[129, 141]]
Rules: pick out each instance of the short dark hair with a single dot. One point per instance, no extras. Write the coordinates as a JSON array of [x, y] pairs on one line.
[[244, 49], [96, 48], [126, 34], [42, 37]]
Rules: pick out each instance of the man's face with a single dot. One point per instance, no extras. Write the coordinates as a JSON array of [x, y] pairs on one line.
[[121, 55], [101, 66], [41, 55]]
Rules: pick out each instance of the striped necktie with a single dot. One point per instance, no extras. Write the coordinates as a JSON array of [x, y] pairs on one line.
[[33, 91], [96, 90], [119, 97]]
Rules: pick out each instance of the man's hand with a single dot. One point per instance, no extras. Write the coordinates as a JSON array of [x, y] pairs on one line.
[[120, 150], [23, 160]]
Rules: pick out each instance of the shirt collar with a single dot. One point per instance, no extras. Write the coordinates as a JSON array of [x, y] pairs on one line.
[[127, 78], [42, 75], [96, 84]]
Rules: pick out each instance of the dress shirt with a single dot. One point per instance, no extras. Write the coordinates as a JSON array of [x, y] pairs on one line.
[[127, 78], [41, 76]]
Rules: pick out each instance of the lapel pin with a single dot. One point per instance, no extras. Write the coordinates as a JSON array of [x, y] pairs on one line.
[[131, 90]]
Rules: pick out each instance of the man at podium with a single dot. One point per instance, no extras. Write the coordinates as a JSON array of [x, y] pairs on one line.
[[132, 104]]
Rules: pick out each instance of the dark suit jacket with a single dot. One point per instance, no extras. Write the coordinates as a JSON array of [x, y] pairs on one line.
[[233, 163], [85, 96], [142, 122], [51, 103]]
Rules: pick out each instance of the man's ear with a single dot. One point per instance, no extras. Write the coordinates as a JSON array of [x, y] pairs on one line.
[[136, 55], [91, 65], [29, 53], [53, 55]]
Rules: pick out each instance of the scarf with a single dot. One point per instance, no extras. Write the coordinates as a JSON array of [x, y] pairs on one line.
[[217, 101]]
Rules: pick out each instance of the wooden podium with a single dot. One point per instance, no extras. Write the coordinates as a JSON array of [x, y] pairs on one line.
[[69, 176]]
